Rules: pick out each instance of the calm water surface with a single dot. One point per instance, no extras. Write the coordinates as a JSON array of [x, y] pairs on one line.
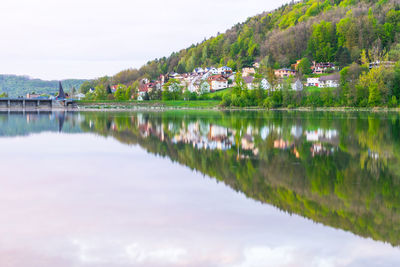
[[200, 189]]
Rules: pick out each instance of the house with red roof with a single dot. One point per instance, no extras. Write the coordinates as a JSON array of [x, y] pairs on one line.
[[217, 82]]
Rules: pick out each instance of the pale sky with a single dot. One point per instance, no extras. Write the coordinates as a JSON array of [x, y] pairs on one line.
[[59, 39]]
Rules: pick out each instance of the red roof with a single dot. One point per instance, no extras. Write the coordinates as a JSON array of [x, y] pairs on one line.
[[146, 87], [218, 78]]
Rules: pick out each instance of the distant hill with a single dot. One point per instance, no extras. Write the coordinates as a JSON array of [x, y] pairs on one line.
[[15, 85]]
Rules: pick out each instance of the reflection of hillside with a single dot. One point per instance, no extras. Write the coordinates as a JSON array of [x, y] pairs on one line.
[[316, 169]]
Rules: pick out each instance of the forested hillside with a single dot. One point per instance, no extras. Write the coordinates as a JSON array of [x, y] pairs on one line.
[[361, 38], [330, 30], [15, 86]]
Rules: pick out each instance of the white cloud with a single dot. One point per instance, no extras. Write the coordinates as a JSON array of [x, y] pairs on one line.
[[140, 254], [108, 35], [266, 256]]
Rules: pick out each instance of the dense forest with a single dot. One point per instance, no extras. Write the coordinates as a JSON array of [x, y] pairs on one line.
[[14, 85], [350, 33]]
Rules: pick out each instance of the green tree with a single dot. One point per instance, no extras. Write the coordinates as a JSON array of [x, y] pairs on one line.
[[120, 94], [100, 92], [172, 90], [373, 82], [86, 86], [304, 66], [323, 42]]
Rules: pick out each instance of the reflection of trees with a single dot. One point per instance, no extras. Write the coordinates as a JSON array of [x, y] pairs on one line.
[[25, 123], [347, 188]]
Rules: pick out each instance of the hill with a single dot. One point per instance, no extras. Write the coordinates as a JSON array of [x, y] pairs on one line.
[[345, 32], [15, 85], [330, 30]]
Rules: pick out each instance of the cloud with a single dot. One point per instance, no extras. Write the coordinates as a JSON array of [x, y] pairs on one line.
[[266, 256], [139, 254]]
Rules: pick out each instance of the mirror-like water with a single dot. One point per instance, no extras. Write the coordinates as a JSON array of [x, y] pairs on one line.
[[200, 189]]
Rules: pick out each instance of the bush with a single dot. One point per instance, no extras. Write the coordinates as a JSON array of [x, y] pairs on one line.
[[393, 102], [226, 100]]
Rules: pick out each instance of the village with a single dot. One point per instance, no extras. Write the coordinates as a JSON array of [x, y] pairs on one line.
[[202, 81], [212, 79]]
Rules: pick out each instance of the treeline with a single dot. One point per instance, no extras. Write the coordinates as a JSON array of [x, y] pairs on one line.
[[14, 85], [359, 87], [172, 90]]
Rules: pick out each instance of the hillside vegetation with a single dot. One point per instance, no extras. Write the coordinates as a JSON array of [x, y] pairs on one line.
[[15, 85], [344, 32]]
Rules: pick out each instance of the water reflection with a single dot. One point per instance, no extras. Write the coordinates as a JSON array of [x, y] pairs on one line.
[[337, 169]]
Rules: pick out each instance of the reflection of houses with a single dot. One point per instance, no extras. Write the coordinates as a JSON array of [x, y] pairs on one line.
[[147, 129], [372, 154], [320, 149], [326, 136], [248, 144], [281, 144], [215, 138], [321, 138], [284, 145]]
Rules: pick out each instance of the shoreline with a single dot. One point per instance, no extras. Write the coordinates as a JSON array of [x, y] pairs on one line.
[[129, 106], [133, 107]]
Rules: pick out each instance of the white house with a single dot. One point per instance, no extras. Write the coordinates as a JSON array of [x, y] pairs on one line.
[[297, 85], [197, 85], [224, 70], [231, 78], [204, 87], [248, 80], [265, 85], [194, 84], [313, 81], [198, 70], [331, 81], [217, 82], [206, 75], [213, 71], [248, 72]]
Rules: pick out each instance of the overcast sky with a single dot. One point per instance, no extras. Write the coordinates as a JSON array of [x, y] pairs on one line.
[[59, 39]]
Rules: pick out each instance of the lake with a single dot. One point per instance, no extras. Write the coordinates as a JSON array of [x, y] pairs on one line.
[[200, 188]]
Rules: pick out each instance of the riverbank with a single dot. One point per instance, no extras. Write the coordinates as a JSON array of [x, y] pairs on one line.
[[127, 105], [203, 105]]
